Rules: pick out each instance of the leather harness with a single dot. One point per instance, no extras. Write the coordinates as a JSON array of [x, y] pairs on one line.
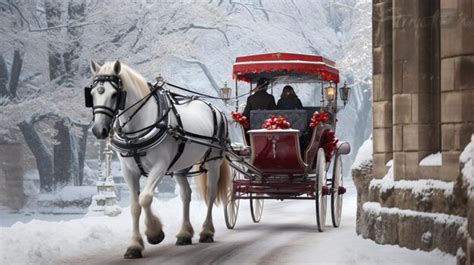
[[155, 134]]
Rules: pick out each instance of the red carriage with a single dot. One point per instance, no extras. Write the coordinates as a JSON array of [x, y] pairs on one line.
[[302, 162]]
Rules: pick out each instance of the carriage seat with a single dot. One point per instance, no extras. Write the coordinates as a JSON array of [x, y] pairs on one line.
[[297, 118]]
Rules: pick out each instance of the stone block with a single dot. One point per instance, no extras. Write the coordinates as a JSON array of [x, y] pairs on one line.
[[382, 87], [422, 108], [403, 44], [464, 72], [411, 75], [397, 85], [399, 165], [418, 137], [462, 135], [429, 172], [377, 54], [413, 231], [379, 167], [457, 30], [382, 113], [404, 14], [398, 138], [468, 104], [450, 168], [447, 137], [382, 140], [452, 106], [402, 109]]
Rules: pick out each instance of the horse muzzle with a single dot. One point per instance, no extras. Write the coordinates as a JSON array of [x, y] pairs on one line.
[[100, 131]]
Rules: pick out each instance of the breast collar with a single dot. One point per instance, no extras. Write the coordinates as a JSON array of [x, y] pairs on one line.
[[131, 146]]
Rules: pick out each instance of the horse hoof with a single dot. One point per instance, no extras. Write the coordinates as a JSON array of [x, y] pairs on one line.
[[156, 239], [133, 253], [206, 239], [183, 241]]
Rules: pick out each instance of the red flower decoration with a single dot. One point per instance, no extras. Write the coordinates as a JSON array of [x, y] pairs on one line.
[[329, 143], [239, 118], [273, 123], [318, 117]]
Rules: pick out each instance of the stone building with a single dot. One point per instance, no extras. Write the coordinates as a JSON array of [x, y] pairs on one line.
[[413, 193]]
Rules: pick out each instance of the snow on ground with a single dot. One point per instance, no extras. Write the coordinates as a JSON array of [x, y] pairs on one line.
[[286, 234]]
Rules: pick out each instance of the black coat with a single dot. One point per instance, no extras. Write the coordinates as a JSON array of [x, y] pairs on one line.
[[260, 100], [289, 103]]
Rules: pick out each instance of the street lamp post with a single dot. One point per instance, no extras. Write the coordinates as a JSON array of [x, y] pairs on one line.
[[105, 200]]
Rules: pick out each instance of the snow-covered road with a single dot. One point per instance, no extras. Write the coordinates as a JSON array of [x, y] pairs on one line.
[[286, 235]]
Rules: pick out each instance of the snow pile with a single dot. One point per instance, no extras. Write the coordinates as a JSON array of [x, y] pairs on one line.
[[432, 160], [70, 199], [364, 155], [466, 160], [441, 218], [418, 187]]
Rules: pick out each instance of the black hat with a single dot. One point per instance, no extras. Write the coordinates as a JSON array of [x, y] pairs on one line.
[[263, 82]]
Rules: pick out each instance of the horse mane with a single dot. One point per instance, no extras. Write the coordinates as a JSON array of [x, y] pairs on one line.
[[130, 78]]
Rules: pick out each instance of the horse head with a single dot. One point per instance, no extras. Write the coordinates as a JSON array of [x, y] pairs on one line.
[[105, 96]]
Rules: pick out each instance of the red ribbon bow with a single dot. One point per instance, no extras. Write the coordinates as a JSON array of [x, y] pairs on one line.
[[239, 118], [274, 123], [318, 117]]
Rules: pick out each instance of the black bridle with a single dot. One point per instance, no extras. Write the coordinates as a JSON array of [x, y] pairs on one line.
[[116, 83]]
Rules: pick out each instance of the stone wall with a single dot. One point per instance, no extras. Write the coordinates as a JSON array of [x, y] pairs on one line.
[[423, 103]]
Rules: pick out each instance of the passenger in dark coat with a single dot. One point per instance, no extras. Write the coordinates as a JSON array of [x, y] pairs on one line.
[[261, 100], [289, 99]]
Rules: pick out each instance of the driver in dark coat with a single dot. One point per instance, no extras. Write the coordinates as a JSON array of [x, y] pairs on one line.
[[261, 99]]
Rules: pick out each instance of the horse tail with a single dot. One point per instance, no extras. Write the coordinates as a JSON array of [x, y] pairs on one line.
[[223, 183]]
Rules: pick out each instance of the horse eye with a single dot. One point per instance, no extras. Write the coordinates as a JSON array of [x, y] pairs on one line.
[[114, 95]]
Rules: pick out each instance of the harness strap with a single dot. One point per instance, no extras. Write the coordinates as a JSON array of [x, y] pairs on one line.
[[180, 129], [136, 156]]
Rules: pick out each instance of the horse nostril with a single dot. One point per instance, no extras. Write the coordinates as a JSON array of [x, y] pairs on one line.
[[104, 132]]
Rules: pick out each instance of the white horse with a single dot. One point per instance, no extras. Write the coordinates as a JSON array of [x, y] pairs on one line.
[[196, 116]]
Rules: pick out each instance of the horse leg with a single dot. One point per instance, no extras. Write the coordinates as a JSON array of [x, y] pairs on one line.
[[186, 233], [153, 226], [207, 233], [135, 245]]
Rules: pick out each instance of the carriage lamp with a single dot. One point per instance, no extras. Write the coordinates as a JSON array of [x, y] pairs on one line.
[[344, 93], [330, 93], [225, 92]]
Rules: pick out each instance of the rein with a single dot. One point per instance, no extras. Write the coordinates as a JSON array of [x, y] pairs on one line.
[[144, 100], [206, 95]]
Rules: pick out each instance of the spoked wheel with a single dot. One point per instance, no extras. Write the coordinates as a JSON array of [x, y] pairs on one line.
[[231, 210], [338, 191], [256, 208], [321, 190]]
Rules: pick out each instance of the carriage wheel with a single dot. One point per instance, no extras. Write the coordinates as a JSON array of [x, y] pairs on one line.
[[321, 190], [256, 208], [231, 210], [337, 192]]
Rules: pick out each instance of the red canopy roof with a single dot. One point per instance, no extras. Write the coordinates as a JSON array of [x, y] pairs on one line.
[[274, 65]]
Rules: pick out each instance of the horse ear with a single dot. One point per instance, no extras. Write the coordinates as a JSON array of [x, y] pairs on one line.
[[94, 67], [117, 67]]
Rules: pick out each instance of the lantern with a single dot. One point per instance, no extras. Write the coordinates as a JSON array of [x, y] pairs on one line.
[[225, 92], [330, 92], [344, 90]]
